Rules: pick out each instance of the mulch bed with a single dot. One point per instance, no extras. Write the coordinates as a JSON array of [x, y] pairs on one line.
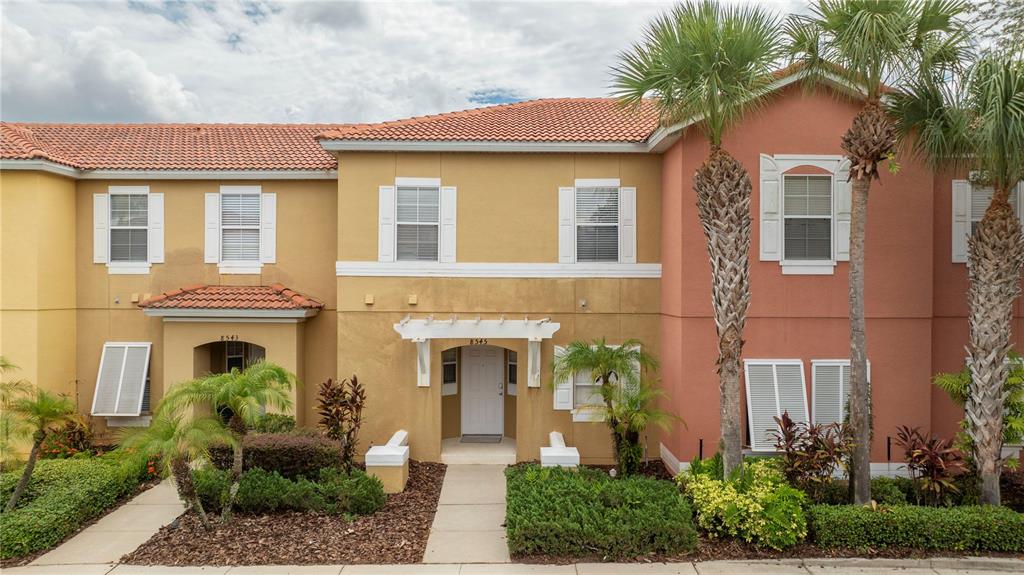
[[731, 550], [26, 559], [397, 533]]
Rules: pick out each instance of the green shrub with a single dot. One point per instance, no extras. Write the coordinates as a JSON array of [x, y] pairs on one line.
[[63, 494], [274, 423], [70, 440], [289, 455], [564, 513], [261, 491], [758, 506], [974, 528], [884, 490]]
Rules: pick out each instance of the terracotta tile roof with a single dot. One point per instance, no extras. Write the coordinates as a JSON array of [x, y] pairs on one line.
[[170, 146], [200, 296], [551, 120]]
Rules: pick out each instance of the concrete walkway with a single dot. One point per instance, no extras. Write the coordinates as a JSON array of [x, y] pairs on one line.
[[120, 532], [968, 566], [469, 524]]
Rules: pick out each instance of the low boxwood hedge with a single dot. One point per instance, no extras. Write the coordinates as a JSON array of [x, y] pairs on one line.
[[63, 494], [554, 511], [290, 455], [968, 528], [261, 491]]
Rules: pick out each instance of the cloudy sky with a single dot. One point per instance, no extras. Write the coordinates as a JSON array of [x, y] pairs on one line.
[[320, 61]]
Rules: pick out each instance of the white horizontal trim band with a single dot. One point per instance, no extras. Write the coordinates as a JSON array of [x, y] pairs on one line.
[[481, 146], [62, 170], [180, 312], [511, 328], [497, 270]]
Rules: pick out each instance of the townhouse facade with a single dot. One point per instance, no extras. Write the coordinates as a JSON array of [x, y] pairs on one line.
[[446, 259]]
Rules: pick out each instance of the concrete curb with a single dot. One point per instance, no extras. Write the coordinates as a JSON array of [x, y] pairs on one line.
[[954, 563]]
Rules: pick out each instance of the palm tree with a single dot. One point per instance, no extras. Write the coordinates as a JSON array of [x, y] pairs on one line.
[[11, 428], [633, 408], [981, 130], [42, 412], [243, 394], [179, 441], [869, 45], [703, 61], [612, 367]]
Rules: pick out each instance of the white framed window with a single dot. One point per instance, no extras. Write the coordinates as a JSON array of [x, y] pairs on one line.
[[774, 387], [241, 232], [804, 218], [597, 222], [807, 218], [449, 372], [581, 394], [417, 223], [512, 373], [128, 233], [830, 390], [969, 204], [122, 381]]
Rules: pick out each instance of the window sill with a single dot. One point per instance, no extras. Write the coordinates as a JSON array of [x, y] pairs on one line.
[[587, 416], [808, 268], [128, 268], [240, 268], [448, 389]]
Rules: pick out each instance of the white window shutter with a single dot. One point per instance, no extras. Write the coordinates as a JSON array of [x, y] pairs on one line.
[[843, 200], [961, 228], [567, 229], [268, 228], [563, 388], [386, 224], [789, 379], [156, 229], [121, 380], [627, 225], [100, 228], [827, 382], [449, 212], [212, 252], [771, 210], [762, 405]]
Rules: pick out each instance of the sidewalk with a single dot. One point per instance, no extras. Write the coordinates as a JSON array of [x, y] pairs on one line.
[[468, 526], [966, 566]]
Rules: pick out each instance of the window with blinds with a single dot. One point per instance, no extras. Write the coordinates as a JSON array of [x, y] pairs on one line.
[[773, 388], [597, 224], [449, 372], [129, 223], [417, 212], [981, 197], [122, 381], [807, 210], [240, 227]]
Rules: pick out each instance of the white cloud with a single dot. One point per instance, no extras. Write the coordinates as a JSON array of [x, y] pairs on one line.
[[259, 61]]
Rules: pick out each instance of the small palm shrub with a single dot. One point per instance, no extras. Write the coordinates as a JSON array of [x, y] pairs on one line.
[[42, 412], [755, 505]]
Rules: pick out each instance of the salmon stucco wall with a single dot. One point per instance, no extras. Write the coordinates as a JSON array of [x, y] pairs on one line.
[[800, 316]]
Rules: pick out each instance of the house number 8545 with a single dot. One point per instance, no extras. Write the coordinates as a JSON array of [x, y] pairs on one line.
[[478, 342]]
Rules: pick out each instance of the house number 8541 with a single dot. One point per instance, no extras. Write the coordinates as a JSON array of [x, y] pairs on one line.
[[229, 338]]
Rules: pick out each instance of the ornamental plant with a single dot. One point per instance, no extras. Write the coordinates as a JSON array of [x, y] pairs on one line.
[[933, 464], [341, 414], [755, 505], [811, 454]]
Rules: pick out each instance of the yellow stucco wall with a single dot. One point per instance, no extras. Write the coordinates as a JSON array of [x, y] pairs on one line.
[[37, 277], [507, 206]]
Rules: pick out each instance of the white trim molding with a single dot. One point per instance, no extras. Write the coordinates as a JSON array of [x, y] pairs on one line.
[[67, 171], [484, 146], [671, 462], [454, 328], [497, 270], [229, 314], [128, 268], [41, 166]]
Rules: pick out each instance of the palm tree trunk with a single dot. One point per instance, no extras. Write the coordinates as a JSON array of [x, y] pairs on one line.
[[994, 267], [859, 419], [26, 475], [723, 203], [187, 489], [237, 427]]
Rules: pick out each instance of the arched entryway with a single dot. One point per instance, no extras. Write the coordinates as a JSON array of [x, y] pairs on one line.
[[223, 356]]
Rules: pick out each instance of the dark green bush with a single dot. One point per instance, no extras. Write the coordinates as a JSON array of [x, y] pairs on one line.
[[946, 528], [884, 490], [274, 423], [261, 491], [63, 494], [289, 455], [565, 513]]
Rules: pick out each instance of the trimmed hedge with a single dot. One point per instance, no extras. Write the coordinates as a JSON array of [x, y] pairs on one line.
[[261, 491], [884, 490], [63, 494], [973, 528], [289, 455], [566, 513]]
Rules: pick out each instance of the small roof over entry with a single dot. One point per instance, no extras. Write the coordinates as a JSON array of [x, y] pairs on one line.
[[214, 301]]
